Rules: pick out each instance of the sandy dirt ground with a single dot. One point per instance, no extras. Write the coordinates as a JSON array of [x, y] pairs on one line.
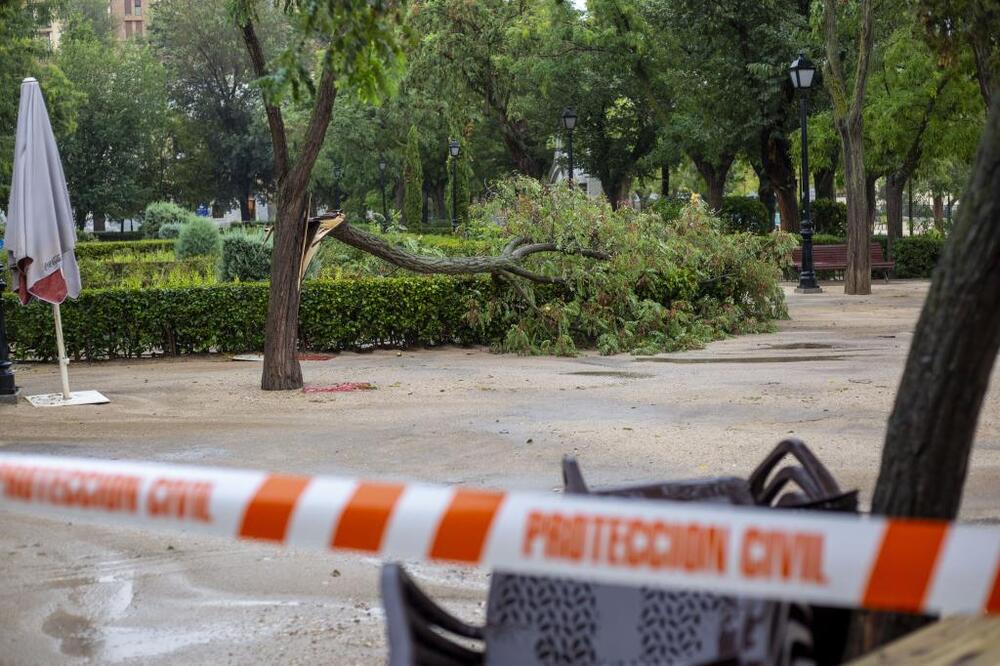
[[80, 594]]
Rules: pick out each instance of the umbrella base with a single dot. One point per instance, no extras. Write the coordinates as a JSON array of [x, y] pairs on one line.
[[10, 398], [76, 398]]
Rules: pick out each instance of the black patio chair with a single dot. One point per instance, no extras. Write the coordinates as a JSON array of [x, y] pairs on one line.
[[551, 620]]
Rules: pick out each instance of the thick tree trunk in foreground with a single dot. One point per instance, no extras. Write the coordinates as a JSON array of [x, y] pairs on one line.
[[954, 348]]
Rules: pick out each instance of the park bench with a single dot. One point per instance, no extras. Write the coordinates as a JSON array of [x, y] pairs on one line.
[[834, 258], [551, 620]]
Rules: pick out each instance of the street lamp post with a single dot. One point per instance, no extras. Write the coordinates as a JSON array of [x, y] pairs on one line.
[[454, 148], [802, 72], [382, 165], [8, 389], [569, 123]]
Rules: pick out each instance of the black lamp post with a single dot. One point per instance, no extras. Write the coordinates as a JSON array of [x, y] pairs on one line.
[[454, 149], [382, 165], [802, 72], [569, 123], [8, 389]]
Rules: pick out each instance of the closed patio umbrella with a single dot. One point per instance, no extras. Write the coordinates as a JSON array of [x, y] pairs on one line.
[[40, 233]]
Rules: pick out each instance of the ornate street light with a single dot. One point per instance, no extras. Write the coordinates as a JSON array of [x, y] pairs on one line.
[[454, 149], [383, 164], [569, 124], [802, 72]]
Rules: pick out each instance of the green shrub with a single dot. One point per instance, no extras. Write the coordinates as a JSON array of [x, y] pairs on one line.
[[198, 237], [118, 236], [104, 249], [159, 213], [85, 236], [169, 231], [335, 315], [746, 215], [246, 257], [916, 256], [829, 217], [669, 209], [135, 272], [823, 239], [413, 180]]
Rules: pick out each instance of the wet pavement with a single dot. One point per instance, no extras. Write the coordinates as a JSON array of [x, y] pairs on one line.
[[80, 594]]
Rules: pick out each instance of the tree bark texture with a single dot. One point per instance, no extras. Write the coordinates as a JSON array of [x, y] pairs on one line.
[[848, 106], [825, 180], [714, 174], [509, 262], [765, 193], [871, 200], [858, 276], [281, 366], [947, 373], [665, 180], [777, 162], [937, 202]]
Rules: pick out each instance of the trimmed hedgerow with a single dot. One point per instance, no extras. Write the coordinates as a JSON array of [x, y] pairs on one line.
[[335, 314], [745, 215], [103, 249], [829, 217], [916, 256]]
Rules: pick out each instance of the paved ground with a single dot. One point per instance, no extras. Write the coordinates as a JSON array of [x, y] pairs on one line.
[[74, 594]]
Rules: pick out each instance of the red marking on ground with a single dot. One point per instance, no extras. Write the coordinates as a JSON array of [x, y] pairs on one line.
[[315, 357], [345, 387]]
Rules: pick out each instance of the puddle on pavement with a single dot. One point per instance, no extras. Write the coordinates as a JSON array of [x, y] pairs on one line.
[[741, 359], [800, 345], [74, 633], [621, 374]]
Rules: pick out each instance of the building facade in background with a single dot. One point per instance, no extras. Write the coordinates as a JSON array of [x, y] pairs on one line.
[[130, 20]]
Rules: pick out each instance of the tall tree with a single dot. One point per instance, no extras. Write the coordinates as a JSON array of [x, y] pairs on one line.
[[357, 44], [933, 422], [915, 107], [413, 180], [24, 53], [209, 82], [954, 25], [848, 101], [113, 160]]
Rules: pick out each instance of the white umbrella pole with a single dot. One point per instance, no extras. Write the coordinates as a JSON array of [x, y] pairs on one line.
[[61, 347]]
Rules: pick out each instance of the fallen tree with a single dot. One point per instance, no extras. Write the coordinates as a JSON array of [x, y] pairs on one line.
[[581, 274]]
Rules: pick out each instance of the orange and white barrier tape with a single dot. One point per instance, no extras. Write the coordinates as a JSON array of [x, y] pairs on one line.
[[841, 560]]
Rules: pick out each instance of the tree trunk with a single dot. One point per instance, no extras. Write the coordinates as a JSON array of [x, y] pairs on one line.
[[281, 366], [245, 208], [938, 203], [825, 180], [99, 220], [871, 200], [780, 171], [665, 180], [954, 348], [714, 175], [858, 276], [894, 208], [765, 194]]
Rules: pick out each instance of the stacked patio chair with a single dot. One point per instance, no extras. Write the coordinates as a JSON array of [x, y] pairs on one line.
[[555, 621]]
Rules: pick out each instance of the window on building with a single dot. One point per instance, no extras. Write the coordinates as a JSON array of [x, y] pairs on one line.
[[138, 8], [128, 7]]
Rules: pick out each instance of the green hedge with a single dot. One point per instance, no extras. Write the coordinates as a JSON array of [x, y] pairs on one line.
[[105, 249], [829, 217], [745, 215], [335, 315], [916, 256]]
